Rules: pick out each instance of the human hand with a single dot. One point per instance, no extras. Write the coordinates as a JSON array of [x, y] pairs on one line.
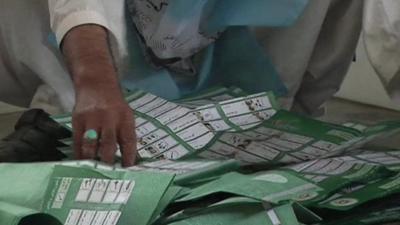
[[103, 110], [100, 107]]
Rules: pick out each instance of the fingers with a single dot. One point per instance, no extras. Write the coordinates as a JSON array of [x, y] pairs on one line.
[[97, 135], [108, 144], [77, 134], [89, 145], [85, 147], [127, 142]]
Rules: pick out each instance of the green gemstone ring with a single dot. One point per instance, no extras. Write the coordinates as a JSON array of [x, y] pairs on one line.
[[91, 135]]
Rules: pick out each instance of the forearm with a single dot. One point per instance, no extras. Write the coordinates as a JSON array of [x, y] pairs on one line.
[[88, 58], [100, 105]]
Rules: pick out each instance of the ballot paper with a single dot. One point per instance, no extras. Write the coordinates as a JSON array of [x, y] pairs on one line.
[[170, 130], [389, 215], [389, 158], [75, 197], [186, 172], [356, 195], [290, 138], [223, 124], [240, 211], [269, 186], [335, 174], [80, 195], [189, 172], [321, 183], [210, 96]]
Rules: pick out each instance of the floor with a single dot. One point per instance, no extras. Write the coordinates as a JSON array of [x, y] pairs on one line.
[[7, 122], [340, 111]]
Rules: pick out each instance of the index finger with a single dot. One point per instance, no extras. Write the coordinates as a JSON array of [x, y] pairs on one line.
[[127, 143]]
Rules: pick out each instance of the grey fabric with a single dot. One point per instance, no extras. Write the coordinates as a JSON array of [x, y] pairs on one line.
[[15, 88], [27, 57], [381, 34], [313, 56]]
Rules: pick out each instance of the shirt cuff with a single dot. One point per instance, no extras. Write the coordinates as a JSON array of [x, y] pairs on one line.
[[76, 19]]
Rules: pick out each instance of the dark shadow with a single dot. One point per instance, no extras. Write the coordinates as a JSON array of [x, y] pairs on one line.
[[40, 219]]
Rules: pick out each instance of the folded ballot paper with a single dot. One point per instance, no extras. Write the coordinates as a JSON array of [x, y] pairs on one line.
[[190, 172], [49, 193], [226, 124], [241, 211], [389, 215]]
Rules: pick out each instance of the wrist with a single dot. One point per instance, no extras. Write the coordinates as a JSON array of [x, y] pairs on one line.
[[89, 60], [97, 71], [97, 83]]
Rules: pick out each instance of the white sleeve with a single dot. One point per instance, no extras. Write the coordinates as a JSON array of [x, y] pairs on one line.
[[381, 32], [111, 14], [67, 14]]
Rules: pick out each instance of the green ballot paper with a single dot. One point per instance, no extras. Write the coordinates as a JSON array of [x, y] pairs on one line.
[[389, 215], [334, 174], [171, 194], [81, 194], [289, 138], [271, 186], [174, 130], [22, 189], [225, 123], [363, 193], [238, 211], [388, 158], [189, 172]]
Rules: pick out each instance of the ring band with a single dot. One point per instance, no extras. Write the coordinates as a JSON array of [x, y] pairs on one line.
[[90, 135]]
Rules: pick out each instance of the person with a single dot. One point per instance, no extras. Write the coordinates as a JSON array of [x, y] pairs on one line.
[[170, 48]]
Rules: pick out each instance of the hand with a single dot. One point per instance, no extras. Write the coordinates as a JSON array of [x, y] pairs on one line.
[[99, 102], [105, 111]]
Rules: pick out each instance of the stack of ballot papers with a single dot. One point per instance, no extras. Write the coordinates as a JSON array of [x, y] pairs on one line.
[[219, 157], [227, 124]]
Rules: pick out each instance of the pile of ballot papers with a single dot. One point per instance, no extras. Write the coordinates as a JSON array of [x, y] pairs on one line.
[[220, 157]]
